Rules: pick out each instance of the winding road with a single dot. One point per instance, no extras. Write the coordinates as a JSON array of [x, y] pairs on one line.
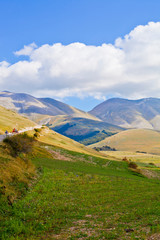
[[20, 131]]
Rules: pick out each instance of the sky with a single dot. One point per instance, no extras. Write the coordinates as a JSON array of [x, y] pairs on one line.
[[81, 52]]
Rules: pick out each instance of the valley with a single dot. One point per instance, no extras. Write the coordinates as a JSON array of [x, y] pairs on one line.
[[53, 187]]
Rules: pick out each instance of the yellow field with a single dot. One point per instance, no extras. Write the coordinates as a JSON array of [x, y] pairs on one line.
[[135, 157], [10, 120], [142, 140]]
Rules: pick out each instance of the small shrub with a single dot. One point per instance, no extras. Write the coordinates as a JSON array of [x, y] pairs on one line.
[[37, 130], [125, 159], [152, 164], [36, 135], [132, 165], [20, 143]]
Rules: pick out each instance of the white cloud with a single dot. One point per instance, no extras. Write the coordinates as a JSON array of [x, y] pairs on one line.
[[27, 50], [129, 68]]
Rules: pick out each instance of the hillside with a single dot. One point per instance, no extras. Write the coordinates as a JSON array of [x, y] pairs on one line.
[[86, 131], [142, 113], [142, 140], [53, 138], [10, 120]]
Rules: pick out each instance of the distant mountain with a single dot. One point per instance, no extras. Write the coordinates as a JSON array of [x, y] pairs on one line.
[[86, 131], [142, 113], [33, 107]]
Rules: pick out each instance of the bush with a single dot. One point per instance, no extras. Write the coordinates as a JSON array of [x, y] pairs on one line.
[[36, 135], [152, 164], [125, 159], [132, 165], [37, 130], [20, 143]]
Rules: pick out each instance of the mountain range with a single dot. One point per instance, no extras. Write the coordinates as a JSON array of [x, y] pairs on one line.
[[106, 119], [31, 106], [67, 120], [142, 113]]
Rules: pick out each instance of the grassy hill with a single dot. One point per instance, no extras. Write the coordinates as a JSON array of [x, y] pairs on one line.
[[50, 137], [142, 140], [10, 120]]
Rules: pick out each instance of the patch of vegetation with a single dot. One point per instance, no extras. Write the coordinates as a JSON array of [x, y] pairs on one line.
[[132, 165], [20, 143], [140, 152], [37, 130], [104, 148], [125, 159], [99, 136], [16, 176]]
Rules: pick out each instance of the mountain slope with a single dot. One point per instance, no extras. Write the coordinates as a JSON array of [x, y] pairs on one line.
[[31, 106], [142, 113], [83, 130], [143, 140]]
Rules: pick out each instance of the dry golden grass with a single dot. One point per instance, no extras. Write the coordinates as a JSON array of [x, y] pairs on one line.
[[50, 137], [143, 140], [135, 157], [10, 120]]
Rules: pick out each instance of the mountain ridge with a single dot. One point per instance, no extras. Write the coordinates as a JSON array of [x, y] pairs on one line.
[[27, 104], [140, 113]]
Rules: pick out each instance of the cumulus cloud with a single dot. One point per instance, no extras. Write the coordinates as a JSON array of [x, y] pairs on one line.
[[128, 68]]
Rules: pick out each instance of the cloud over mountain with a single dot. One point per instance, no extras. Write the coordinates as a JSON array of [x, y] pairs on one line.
[[129, 68]]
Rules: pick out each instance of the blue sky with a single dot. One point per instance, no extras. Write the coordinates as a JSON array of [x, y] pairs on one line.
[[91, 22]]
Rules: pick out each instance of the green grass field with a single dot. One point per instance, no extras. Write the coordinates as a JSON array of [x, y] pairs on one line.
[[79, 196]]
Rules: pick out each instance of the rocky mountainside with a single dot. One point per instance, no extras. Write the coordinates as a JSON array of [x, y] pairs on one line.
[[142, 113]]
